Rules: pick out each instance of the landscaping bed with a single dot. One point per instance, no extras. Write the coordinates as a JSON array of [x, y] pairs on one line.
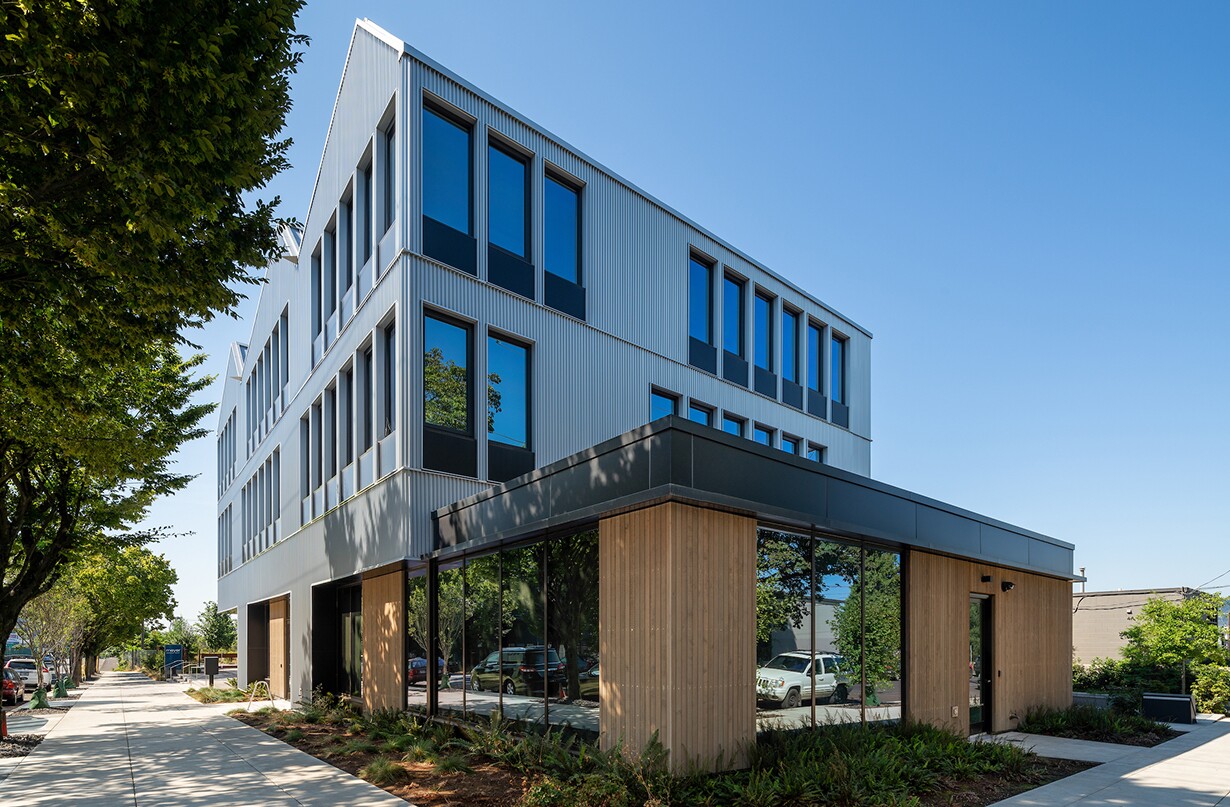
[[228, 694], [1099, 725], [18, 745], [490, 764]]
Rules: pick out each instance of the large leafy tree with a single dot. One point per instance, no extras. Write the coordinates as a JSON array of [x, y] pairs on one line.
[[1176, 634], [216, 628], [133, 135], [868, 624]]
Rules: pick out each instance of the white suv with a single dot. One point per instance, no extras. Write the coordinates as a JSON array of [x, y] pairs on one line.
[[32, 673], [788, 681]]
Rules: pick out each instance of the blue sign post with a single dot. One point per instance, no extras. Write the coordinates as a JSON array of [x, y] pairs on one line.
[[172, 659]]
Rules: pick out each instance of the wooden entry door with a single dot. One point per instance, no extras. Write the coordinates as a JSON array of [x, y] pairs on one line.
[[279, 647]]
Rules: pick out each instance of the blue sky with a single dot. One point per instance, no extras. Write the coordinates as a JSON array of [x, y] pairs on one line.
[[1027, 204]]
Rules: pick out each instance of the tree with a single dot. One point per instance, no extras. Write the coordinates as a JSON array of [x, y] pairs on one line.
[[52, 624], [446, 393], [216, 629], [183, 633], [572, 601], [1177, 634], [133, 133], [783, 581], [126, 591], [868, 623]]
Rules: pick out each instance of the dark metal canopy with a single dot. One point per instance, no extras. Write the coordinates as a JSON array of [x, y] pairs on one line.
[[673, 459]]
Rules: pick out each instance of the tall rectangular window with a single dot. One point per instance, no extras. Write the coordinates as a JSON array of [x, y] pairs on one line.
[[837, 366], [815, 355], [763, 324], [700, 300], [365, 214], [507, 202], [317, 444], [662, 404], [305, 451], [562, 206], [446, 171], [331, 431], [508, 392], [346, 217], [447, 385], [316, 281], [330, 286], [346, 401], [365, 410], [790, 345], [390, 380], [390, 175], [732, 315]]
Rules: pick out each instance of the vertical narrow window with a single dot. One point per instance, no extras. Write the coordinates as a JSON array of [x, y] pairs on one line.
[[390, 175], [763, 323], [732, 316], [837, 366], [365, 214], [446, 171], [365, 412], [316, 281], [762, 435], [285, 348], [446, 375], [700, 300], [390, 380], [815, 356], [317, 445], [699, 413], [330, 289], [790, 345], [662, 404], [346, 225], [277, 487], [331, 431], [305, 451], [507, 202], [347, 401], [733, 425], [508, 392], [562, 206]]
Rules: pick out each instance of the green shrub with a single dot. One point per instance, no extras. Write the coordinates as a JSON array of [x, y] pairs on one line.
[[383, 771], [293, 735], [1212, 689], [358, 745], [452, 763], [1092, 723]]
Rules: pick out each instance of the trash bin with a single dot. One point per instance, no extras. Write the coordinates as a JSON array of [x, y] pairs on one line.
[[1169, 708], [211, 668]]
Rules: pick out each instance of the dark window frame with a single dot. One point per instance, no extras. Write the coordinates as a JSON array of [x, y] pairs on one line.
[[839, 348], [729, 417], [461, 121], [701, 407], [389, 173], [553, 174], [528, 347], [769, 299], [389, 335], [468, 327], [790, 364], [660, 392], [696, 259], [740, 284], [527, 162]]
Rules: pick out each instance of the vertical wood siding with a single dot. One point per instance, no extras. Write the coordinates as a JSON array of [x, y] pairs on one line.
[[1032, 641], [677, 627], [384, 641], [279, 647]]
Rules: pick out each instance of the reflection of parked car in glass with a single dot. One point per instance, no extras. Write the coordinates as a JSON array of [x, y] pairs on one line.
[[13, 688], [522, 673], [417, 674], [589, 683], [787, 680]]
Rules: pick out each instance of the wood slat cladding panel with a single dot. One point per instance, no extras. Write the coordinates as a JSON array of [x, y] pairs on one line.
[[677, 627], [1032, 641], [279, 647], [384, 641]]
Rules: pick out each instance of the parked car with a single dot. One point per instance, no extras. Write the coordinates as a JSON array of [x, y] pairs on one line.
[[787, 680], [417, 674], [524, 671], [32, 673], [589, 683], [13, 688]]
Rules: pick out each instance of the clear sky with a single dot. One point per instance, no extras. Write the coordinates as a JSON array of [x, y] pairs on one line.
[[1028, 204]]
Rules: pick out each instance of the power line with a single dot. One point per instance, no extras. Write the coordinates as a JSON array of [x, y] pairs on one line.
[[1215, 579]]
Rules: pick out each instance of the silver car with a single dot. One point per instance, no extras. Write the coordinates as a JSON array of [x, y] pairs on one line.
[[31, 672], [788, 679]]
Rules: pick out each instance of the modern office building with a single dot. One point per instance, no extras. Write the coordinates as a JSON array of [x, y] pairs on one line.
[[501, 403]]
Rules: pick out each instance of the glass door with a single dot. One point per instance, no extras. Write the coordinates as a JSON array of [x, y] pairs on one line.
[[981, 668]]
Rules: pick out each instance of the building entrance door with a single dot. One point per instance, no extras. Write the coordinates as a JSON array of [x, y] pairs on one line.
[[981, 666]]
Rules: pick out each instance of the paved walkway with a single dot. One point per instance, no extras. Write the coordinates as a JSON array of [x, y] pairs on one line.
[[132, 741], [1192, 770]]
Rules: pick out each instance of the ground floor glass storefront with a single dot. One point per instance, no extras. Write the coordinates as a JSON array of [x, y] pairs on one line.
[[828, 631], [517, 631]]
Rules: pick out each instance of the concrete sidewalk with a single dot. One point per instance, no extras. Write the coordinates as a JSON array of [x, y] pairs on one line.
[[1192, 770], [130, 740]]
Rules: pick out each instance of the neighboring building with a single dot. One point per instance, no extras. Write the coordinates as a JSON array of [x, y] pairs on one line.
[[472, 300], [1100, 617]]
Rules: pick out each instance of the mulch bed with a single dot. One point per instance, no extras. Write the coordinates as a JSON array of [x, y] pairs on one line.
[[18, 745], [1146, 739], [990, 789], [492, 786]]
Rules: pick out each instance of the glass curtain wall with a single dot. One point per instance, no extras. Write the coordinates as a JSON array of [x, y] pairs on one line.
[[828, 630], [518, 633]]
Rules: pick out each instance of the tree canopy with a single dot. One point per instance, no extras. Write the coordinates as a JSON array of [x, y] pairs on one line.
[[1168, 633], [216, 629], [135, 134]]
